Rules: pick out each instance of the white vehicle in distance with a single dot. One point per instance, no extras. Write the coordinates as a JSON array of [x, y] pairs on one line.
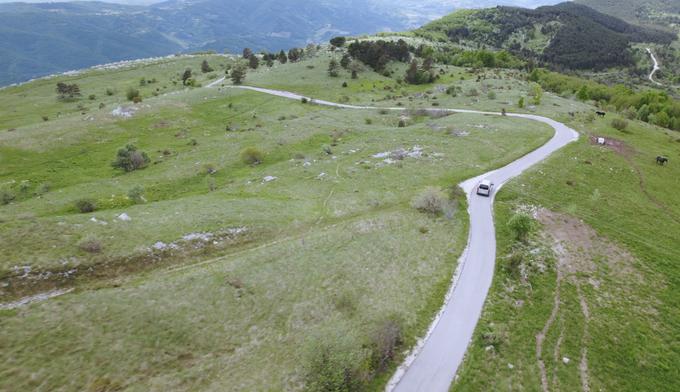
[[484, 188]]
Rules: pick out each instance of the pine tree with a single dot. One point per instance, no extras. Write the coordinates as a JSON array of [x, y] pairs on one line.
[[186, 76], [282, 57], [412, 72], [253, 62], [205, 67], [238, 73], [333, 68], [247, 53], [345, 61]]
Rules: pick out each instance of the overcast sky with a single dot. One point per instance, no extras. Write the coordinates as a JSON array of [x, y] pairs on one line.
[[453, 3]]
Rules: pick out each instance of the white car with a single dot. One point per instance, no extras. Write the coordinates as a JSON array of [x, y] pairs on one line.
[[484, 188]]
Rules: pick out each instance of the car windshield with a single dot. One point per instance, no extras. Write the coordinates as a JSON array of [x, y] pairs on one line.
[[483, 186]]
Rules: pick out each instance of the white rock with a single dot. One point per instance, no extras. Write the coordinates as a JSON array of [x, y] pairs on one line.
[[565, 360], [160, 245], [511, 366], [124, 217], [269, 178]]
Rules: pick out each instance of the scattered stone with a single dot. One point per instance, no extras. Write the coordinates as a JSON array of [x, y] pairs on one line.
[[124, 112], [95, 220], [124, 217], [205, 237], [565, 360], [269, 179], [511, 366]]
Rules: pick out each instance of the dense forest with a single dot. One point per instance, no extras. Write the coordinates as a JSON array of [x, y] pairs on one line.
[[564, 36]]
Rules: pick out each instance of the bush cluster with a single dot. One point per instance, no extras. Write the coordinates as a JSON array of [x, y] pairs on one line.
[[432, 201], [130, 159]]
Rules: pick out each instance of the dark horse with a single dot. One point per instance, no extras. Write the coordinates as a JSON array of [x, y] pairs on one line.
[[661, 160], [600, 113]]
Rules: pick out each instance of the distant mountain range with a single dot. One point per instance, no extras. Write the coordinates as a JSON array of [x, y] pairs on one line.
[[43, 38]]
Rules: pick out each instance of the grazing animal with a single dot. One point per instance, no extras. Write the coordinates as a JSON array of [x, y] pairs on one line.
[[600, 113], [661, 160]]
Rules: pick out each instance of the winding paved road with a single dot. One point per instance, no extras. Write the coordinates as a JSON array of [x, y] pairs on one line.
[[433, 363]]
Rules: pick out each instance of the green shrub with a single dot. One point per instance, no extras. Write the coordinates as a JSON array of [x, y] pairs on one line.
[[90, 244], [251, 156], [136, 194], [129, 159], [520, 224], [85, 206], [6, 196], [43, 188], [491, 95], [432, 201], [385, 341], [619, 124], [335, 368], [131, 94], [110, 91]]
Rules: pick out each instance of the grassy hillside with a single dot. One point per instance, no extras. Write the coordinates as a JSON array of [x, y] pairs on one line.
[[272, 244], [599, 277], [226, 273]]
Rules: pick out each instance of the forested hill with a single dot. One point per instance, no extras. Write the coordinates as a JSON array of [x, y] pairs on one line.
[[660, 12], [564, 36]]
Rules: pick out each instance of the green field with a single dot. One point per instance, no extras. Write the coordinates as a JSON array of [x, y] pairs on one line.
[[620, 214], [227, 275], [313, 264]]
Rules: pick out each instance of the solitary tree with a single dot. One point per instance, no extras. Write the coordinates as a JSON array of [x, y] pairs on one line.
[[68, 91], [130, 159], [537, 93], [520, 104], [282, 57], [238, 73], [583, 94], [253, 62], [247, 53], [338, 41], [412, 72], [294, 54], [205, 67], [186, 76], [333, 68], [345, 61]]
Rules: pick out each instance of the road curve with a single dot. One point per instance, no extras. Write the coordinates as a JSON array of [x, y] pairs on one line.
[[654, 69], [432, 364]]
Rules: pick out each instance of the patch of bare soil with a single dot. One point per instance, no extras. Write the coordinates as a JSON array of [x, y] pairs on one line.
[[619, 146], [27, 281], [579, 250]]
